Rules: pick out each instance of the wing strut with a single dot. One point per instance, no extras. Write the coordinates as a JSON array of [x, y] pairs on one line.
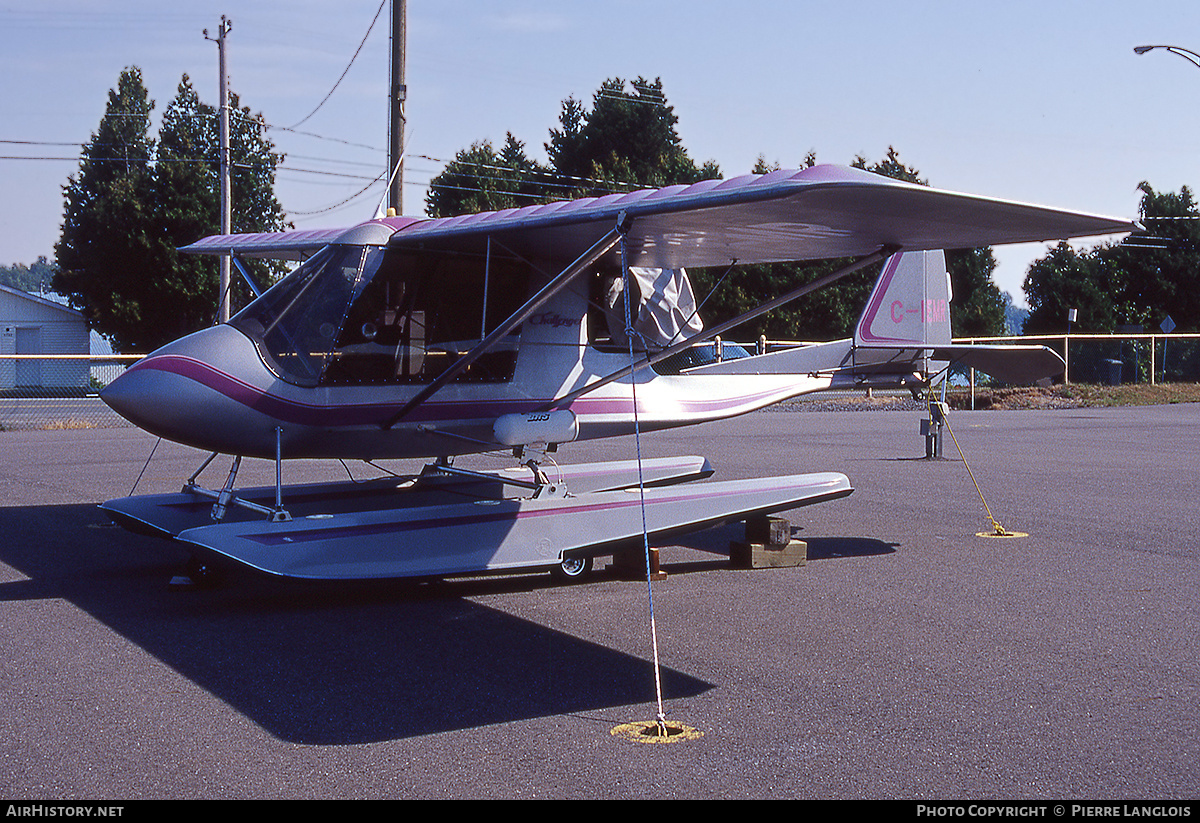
[[241, 267], [602, 246], [721, 328]]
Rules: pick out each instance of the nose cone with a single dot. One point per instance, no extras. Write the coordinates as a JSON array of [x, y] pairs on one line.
[[148, 394], [126, 395], [182, 392]]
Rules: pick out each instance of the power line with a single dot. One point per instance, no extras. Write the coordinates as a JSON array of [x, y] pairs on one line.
[[192, 160], [348, 65], [323, 137], [37, 143], [341, 203], [549, 177], [292, 155], [342, 175]]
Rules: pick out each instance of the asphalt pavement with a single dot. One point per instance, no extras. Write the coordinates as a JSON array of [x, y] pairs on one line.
[[910, 657]]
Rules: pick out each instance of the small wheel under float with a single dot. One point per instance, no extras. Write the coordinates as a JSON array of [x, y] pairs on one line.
[[572, 569], [202, 573]]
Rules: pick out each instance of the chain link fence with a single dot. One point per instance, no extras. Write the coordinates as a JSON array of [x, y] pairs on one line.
[[62, 391], [58, 391]]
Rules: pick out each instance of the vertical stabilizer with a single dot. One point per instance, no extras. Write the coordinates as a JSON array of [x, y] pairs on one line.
[[909, 305]]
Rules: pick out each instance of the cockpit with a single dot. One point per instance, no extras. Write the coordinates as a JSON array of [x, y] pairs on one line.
[[355, 315]]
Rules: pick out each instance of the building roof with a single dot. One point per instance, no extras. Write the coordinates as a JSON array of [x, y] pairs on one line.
[[42, 302]]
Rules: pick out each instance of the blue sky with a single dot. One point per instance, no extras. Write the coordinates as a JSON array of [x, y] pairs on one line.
[[1041, 102]]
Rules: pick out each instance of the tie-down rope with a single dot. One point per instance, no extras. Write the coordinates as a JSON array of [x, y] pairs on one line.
[[997, 529], [630, 334]]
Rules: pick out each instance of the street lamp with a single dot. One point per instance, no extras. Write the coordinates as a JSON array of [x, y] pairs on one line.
[[1186, 54]]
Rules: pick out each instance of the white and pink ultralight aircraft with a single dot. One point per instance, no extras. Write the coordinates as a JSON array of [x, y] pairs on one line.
[[526, 329]]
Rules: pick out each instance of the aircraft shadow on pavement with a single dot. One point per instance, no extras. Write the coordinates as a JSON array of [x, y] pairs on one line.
[[827, 548], [324, 665]]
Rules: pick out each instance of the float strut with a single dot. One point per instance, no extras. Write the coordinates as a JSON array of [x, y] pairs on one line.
[[280, 515], [218, 509]]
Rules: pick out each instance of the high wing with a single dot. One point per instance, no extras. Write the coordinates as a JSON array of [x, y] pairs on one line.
[[816, 213], [296, 245], [820, 212]]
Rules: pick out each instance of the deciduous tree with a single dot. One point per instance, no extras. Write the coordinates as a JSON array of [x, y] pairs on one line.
[[1138, 281], [34, 278], [481, 179], [978, 307]]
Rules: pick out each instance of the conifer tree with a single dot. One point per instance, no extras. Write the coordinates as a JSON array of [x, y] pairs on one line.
[[135, 202], [629, 135], [186, 203], [108, 246], [628, 139]]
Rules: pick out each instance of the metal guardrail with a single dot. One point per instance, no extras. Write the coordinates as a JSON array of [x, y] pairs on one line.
[[1111, 359], [61, 391]]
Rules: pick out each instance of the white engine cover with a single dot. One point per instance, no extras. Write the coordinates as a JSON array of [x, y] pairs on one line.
[[536, 427]]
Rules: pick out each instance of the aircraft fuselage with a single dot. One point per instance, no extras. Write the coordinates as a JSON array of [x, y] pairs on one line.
[[332, 378]]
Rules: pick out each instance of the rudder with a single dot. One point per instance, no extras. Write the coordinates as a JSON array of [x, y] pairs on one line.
[[910, 304]]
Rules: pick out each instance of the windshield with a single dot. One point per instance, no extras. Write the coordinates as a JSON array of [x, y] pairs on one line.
[[363, 315]]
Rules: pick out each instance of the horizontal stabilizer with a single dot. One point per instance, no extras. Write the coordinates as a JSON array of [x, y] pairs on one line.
[[1018, 365], [1014, 364]]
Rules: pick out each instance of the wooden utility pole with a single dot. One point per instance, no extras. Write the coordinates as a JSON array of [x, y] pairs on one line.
[[397, 91], [226, 181]]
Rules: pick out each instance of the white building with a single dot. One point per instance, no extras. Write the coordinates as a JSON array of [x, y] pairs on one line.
[[34, 325]]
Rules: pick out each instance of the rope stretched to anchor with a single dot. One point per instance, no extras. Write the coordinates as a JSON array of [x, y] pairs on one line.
[[997, 529], [630, 334], [144, 467]]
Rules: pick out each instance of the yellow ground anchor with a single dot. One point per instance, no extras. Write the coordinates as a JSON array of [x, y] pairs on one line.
[[997, 529], [655, 731]]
